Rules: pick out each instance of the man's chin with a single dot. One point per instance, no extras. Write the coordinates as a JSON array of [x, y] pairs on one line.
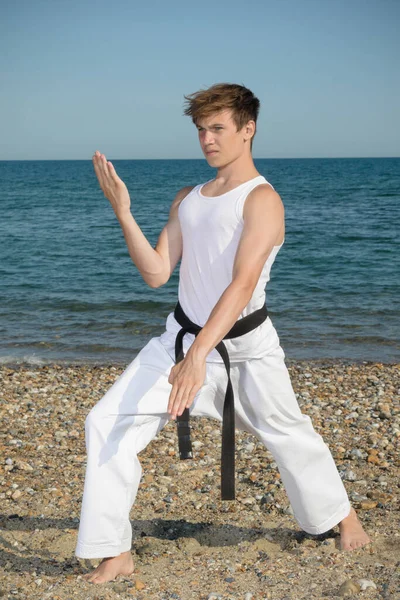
[[212, 159]]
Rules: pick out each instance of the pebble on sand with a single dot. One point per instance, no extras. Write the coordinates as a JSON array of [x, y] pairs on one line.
[[349, 588]]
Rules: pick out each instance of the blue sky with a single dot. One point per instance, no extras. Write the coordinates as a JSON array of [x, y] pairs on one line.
[[79, 75]]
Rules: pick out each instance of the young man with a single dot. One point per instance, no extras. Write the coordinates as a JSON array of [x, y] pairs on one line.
[[231, 228]]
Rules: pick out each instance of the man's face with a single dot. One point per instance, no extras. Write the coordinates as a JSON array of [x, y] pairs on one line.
[[220, 141]]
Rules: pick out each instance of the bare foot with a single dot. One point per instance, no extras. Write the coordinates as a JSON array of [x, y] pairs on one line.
[[352, 534], [110, 568]]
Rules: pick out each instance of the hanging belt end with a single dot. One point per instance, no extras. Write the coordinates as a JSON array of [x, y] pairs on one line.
[[228, 495], [185, 454]]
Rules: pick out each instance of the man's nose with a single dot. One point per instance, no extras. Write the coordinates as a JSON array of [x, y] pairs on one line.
[[208, 137]]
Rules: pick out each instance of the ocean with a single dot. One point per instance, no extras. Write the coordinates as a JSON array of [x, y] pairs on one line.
[[70, 293]]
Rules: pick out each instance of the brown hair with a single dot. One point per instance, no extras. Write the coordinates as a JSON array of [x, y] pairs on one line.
[[221, 96]]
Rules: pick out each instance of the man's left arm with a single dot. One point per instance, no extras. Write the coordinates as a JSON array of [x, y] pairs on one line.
[[263, 217]]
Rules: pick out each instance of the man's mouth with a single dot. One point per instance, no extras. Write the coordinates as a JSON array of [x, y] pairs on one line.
[[212, 152]]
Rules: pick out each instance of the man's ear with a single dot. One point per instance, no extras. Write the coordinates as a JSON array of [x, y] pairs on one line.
[[249, 129]]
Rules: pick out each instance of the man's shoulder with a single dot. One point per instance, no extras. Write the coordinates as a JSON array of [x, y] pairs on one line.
[[263, 192], [182, 193], [261, 203]]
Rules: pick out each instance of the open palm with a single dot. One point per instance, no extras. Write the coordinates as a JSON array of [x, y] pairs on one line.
[[113, 187]]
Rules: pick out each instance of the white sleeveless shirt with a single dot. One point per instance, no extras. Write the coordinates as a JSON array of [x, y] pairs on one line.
[[211, 229]]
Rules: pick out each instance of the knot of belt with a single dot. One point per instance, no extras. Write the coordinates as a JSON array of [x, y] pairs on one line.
[[242, 326]]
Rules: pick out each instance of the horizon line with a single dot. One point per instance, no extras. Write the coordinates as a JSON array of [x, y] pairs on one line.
[[202, 159]]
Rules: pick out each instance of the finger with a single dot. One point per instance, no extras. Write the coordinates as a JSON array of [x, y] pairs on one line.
[[97, 167], [103, 165], [180, 400], [187, 401], [192, 396], [112, 172], [171, 379], [171, 400], [181, 407], [97, 170]]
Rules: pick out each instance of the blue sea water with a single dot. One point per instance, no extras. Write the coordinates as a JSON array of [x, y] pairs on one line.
[[69, 292]]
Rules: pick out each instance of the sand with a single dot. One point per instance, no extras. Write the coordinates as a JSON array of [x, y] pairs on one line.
[[188, 544]]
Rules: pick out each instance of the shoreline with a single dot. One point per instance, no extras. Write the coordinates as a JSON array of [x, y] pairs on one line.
[[318, 362]]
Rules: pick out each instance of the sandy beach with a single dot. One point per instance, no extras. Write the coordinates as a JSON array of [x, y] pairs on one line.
[[188, 544]]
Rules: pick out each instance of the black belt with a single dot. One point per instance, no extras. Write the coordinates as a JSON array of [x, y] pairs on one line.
[[242, 326]]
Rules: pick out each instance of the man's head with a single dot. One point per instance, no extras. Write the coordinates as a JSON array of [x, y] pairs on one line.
[[226, 116]]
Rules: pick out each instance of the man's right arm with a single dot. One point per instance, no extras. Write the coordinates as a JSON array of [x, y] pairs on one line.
[[155, 264]]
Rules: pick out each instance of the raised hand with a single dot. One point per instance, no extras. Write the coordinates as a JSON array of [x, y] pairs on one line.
[[113, 187]]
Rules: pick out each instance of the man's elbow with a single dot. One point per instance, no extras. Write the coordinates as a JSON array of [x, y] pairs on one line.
[[156, 282], [160, 277], [153, 285]]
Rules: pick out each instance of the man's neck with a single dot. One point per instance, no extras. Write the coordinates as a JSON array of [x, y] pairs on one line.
[[240, 170]]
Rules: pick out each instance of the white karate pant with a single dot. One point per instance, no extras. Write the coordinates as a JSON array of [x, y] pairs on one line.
[[134, 410]]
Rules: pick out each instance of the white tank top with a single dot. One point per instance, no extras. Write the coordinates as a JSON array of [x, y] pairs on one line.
[[211, 229]]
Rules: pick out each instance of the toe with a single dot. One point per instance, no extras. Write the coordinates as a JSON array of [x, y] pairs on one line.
[[87, 575], [103, 578], [93, 576]]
